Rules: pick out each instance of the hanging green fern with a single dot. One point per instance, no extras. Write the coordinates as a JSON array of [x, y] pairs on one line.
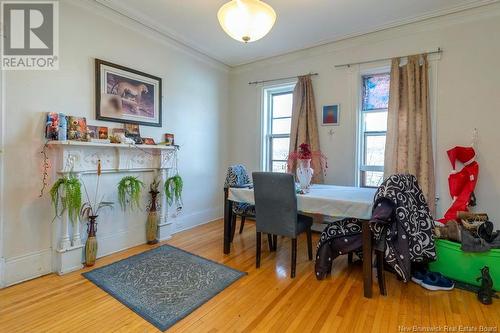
[[129, 190], [173, 190], [70, 199]]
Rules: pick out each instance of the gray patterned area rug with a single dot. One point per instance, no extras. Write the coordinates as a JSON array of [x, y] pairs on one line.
[[165, 284]]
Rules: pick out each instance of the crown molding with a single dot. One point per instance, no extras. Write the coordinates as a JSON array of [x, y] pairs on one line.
[[393, 24], [468, 14], [148, 22], [105, 9]]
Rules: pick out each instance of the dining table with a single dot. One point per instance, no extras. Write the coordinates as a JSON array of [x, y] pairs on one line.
[[329, 200]]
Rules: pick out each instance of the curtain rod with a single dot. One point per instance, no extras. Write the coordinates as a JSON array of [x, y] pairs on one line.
[[370, 61], [282, 78]]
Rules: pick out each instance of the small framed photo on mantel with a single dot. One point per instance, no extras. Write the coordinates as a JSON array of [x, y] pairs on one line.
[[125, 95], [331, 115]]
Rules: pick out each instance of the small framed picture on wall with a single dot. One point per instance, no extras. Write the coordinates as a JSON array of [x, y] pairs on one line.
[[331, 115]]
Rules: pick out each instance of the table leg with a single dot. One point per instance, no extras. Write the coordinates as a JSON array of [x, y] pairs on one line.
[[228, 210], [367, 260]]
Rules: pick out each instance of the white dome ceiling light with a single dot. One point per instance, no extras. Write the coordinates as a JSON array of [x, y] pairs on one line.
[[246, 20]]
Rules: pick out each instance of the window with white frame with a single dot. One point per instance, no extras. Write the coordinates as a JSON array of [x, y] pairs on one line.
[[373, 128], [276, 126]]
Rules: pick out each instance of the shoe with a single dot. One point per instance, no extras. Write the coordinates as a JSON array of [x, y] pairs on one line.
[[435, 281], [450, 231], [485, 231], [418, 276]]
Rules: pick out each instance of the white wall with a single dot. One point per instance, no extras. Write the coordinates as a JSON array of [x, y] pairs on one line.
[[196, 92], [195, 95], [466, 80]]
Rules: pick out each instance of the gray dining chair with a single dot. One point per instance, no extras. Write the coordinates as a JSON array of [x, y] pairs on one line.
[[276, 212]]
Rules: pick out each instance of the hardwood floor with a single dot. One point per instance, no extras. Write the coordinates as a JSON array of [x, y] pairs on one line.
[[266, 300]]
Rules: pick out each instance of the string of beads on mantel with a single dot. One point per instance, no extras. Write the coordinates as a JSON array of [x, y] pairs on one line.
[[46, 162]]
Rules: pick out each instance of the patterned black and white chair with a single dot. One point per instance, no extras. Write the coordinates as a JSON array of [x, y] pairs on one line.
[[338, 238], [402, 226], [237, 176], [344, 237]]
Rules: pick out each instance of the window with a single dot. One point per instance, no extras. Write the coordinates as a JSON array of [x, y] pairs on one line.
[[373, 126], [277, 124]]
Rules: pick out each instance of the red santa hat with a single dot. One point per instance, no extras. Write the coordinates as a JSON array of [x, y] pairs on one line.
[[465, 155]]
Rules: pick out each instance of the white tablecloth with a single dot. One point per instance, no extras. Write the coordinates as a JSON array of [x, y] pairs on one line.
[[324, 199]]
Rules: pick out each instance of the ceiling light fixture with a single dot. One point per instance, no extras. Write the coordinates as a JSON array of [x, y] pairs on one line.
[[246, 20]]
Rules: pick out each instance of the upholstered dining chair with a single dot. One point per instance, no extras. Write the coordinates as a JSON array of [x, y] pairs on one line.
[[237, 176], [276, 212]]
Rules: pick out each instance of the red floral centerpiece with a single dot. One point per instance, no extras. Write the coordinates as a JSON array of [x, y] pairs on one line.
[[301, 159]]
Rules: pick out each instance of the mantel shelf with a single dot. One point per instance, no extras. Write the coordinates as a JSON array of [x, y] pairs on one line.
[[108, 145], [82, 157]]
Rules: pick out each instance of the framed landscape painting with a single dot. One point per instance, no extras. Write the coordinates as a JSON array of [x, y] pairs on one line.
[[127, 96]]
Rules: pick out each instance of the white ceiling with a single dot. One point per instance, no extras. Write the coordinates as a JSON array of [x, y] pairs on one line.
[[300, 23]]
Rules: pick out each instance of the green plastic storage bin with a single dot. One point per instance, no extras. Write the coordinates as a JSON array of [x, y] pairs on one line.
[[463, 266]]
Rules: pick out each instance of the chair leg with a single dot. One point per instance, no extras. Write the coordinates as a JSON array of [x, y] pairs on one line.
[[294, 256], [233, 227], [242, 224], [309, 244], [258, 245], [275, 242], [367, 260], [349, 258], [381, 273], [270, 242]]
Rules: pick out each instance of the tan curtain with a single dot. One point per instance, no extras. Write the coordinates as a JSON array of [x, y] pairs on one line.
[[304, 124], [408, 147]]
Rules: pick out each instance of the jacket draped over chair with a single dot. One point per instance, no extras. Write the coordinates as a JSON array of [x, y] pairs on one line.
[[338, 238], [402, 224]]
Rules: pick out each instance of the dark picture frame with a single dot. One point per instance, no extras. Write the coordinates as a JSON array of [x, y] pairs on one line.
[[128, 96]]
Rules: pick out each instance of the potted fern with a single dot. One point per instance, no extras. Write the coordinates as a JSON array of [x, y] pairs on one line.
[[173, 191], [129, 192], [66, 194]]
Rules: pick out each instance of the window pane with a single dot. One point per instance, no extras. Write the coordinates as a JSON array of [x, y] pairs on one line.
[[282, 105], [376, 91], [279, 166], [282, 126], [374, 149], [372, 178], [375, 121], [280, 148]]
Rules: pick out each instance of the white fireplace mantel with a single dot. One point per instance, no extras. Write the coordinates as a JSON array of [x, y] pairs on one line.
[[80, 158]]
